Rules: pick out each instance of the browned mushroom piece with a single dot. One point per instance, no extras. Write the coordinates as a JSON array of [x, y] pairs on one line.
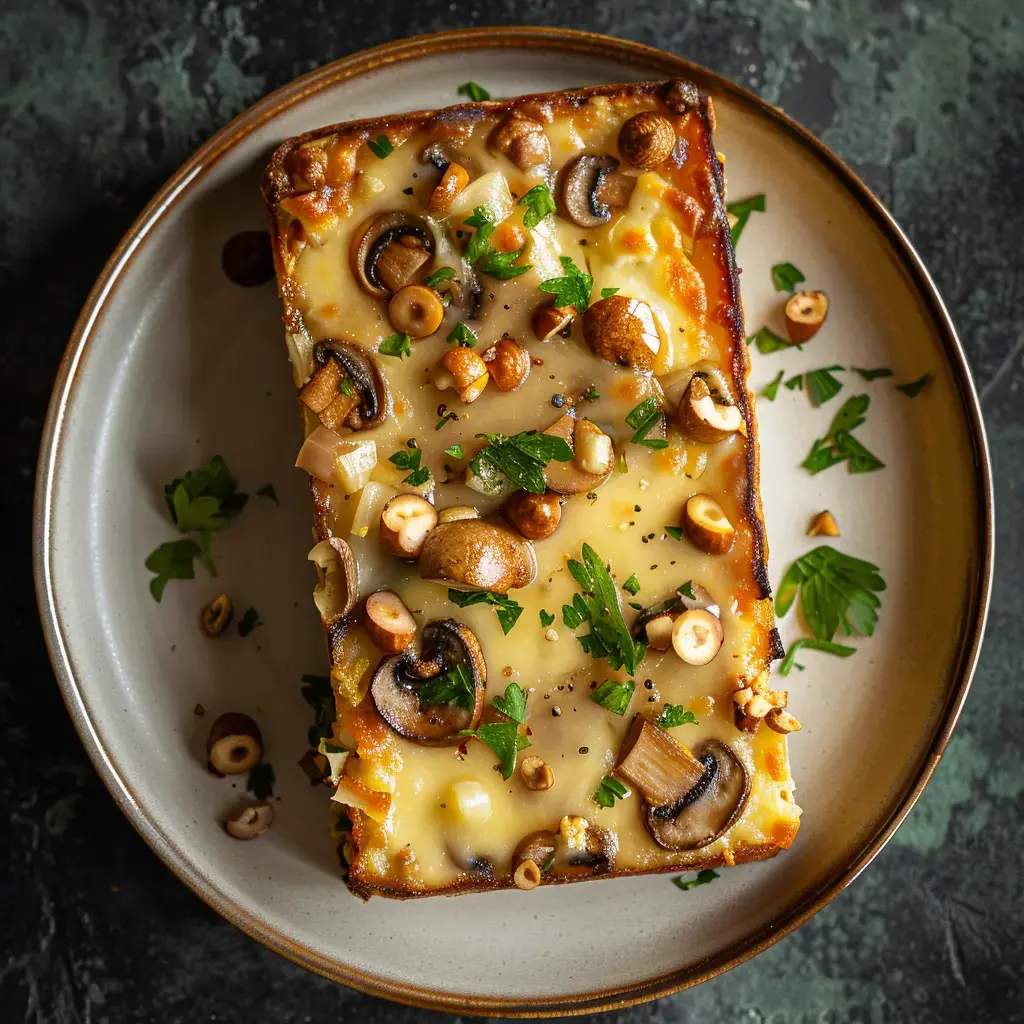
[[405, 522], [805, 313], [597, 854], [691, 798], [390, 251], [453, 181], [535, 516], [539, 847], [374, 404], [216, 616], [508, 363], [250, 822], [473, 554], [591, 186], [646, 140], [389, 622], [623, 330], [706, 525], [337, 588], [548, 320], [522, 140], [447, 646], [702, 418], [592, 450], [416, 310], [234, 744]]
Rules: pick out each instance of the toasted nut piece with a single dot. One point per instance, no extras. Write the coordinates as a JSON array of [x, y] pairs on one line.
[[549, 320], [537, 773], [697, 636], [741, 698], [758, 706], [405, 522], [457, 512], [681, 96], [593, 451], [468, 373], [337, 579], [508, 363], [781, 721], [509, 236], [522, 140], [574, 831], [416, 310], [706, 525], [646, 140], [216, 615], [234, 745], [535, 516], [453, 181], [622, 330], [823, 524], [250, 822], [805, 313], [527, 876], [389, 622], [703, 419], [659, 631]]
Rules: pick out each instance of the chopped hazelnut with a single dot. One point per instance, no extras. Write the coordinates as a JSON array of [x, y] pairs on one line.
[[537, 773], [823, 524]]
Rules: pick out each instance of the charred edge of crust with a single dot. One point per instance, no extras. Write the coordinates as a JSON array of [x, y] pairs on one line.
[[778, 647], [742, 854]]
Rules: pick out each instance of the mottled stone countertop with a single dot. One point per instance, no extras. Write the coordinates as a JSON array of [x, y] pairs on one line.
[[100, 101]]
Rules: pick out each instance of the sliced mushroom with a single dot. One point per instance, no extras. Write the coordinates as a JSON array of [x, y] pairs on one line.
[[250, 822], [597, 853], [367, 379], [405, 522], [571, 477], [337, 586], [703, 419], [623, 330], [805, 313], [522, 140], [535, 516], [539, 847], [389, 251], [646, 139], [706, 525], [473, 554], [692, 798], [234, 744], [416, 310], [389, 622], [581, 188], [697, 636], [446, 645]]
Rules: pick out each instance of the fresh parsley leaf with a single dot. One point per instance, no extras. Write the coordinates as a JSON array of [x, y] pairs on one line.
[[477, 93], [859, 459], [812, 644], [609, 637], [836, 590], [480, 242], [513, 704], [915, 387], [574, 616], [445, 420], [398, 344], [406, 458], [614, 697], [741, 210], [267, 491], [417, 478], [502, 266], [249, 621], [546, 618], [261, 781], [771, 389], [381, 147], [522, 457], [504, 739], [212, 481], [463, 335], [632, 585], [687, 590], [452, 687], [768, 341], [439, 275], [703, 877], [675, 531], [507, 609], [539, 202], [839, 444], [455, 451], [643, 419], [318, 694], [571, 290], [607, 293], [591, 394], [822, 386], [794, 383], [609, 791], [171, 561], [345, 387], [786, 277], [637, 605], [881, 371], [675, 715]]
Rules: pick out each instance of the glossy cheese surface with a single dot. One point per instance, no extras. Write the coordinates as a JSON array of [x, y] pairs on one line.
[[413, 829]]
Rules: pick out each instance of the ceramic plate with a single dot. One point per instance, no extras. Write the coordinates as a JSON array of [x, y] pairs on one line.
[[171, 363]]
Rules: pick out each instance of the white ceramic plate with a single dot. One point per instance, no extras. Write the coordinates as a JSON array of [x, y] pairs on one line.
[[171, 363]]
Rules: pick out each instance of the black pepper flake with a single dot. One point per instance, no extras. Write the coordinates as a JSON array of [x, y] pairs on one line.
[[593, 685], [655, 566], [583, 241], [648, 684], [442, 409], [558, 401], [547, 696], [644, 540], [651, 700], [411, 443], [414, 174], [407, 191], [561, 686], [507, 306], [443, 806], [566, 331], [552, 377], [556, 711], [673, 562], [569, 685], [459, 233], [584, 750], [636, 508]]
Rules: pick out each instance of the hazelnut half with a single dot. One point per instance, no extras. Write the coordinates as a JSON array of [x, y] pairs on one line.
[[805, 313], [703, 419], [549, 320], [781, 721], [646, 140], [234, 745], [535, 516], [405, 522], [823, 524], [697, 636], [416, 310], [250, 822], [508, 363], [527, 875], [463, 370], [389, 622], [217, 615], [453, 181], [706, 525], [537, 773], [622, 330]]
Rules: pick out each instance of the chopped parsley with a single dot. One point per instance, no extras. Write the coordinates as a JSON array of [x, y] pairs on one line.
[[381, 147], [172, 561], [643, 419], [813, 644], [477, 93], [609, 791], [249, 621], [345, 387], [480, 242], [398, 344], [614, 697], [463, 335], [879, 371], [839, 444], [794, 383], [504, 739], [591, 394], [771, 389], [506, 608], [786, 277], [455, 451], [915, 387], [632, 585], [575, 614], [539, 203], [521, 457], [513, 704], [261, 781], [452, 687], [409, 458], [836, 590], [768, 341], [317, 693], [267, 491], [571, 290], [502, 266], [675, 531], [822, 386], [741, 210], [703, 877], [479, 253], [445, 420], [607, 293], [546, 618], [675, 715], [439, 275]]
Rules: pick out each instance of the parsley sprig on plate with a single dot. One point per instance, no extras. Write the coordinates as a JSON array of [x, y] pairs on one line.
[[839, 444]]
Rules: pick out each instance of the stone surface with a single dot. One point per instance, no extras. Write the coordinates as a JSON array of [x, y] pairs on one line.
[[100, 101]]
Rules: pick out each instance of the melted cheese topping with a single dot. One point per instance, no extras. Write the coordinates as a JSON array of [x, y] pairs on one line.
[[422, 815]]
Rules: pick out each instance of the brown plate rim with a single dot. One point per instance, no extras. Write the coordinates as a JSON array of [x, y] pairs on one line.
[[50, 453]]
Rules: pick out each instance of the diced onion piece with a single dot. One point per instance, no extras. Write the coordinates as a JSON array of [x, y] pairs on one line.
[[373, 498], [490, 190], [316, 456], [369, 801], [354, 462], [337, 579], [469, 801]]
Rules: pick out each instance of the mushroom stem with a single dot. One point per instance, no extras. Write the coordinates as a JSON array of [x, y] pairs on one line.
[[660, 768]]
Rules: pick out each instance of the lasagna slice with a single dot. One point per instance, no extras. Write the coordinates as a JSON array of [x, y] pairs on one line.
[[516, 334]]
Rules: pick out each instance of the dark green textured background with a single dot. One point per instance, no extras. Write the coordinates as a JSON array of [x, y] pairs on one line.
[[100, 101]]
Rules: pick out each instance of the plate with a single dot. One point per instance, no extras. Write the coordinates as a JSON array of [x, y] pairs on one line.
[[171, 363]]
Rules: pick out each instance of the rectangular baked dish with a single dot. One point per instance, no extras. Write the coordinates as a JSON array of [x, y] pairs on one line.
[[516, 333]]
